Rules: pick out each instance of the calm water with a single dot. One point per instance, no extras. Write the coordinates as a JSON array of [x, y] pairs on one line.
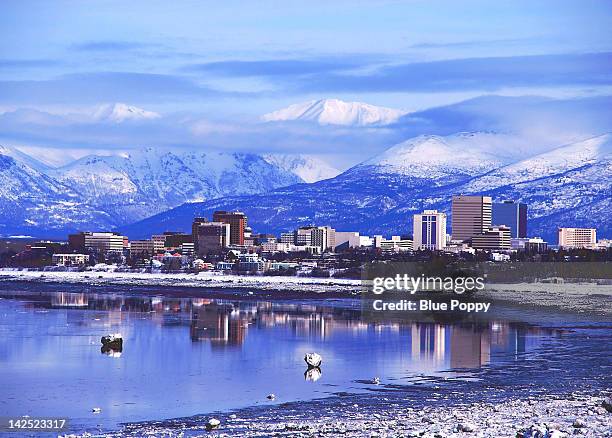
[[184, 356]]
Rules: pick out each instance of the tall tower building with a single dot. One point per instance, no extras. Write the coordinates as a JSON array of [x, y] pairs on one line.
[[429, 230], [194, 229], [212, 237], [237, 222], [471, 216], [513, 215]]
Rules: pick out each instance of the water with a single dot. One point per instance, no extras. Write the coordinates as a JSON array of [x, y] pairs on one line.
[[184, 356]]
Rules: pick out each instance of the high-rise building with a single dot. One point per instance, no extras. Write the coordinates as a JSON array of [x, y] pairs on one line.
[[429, 230], [194, 229], [493, 238], [212, 236], [577, 237], [237, 222], [471, 216], [513, 215]]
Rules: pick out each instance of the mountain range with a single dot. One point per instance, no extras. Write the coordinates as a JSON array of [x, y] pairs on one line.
[[565, 182], [570, 185], [104, 192]]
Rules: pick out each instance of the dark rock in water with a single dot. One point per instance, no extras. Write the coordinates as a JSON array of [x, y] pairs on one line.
[[114, 341], [607, 404]]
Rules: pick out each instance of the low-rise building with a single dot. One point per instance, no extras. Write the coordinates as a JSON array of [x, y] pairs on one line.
[[497, 237], [251, 263], [70, 259], [531, 245], [142, 248], [394, 244]]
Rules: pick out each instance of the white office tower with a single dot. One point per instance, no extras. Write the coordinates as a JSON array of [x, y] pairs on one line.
[[429, 230]]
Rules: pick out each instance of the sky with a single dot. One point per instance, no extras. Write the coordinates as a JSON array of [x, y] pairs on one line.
[[224, 64]]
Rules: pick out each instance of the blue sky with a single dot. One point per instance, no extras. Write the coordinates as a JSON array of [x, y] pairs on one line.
[[235, 60]]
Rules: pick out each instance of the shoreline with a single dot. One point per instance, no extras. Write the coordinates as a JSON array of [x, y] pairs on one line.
[[579, 413], [576, 298], [204, 280]]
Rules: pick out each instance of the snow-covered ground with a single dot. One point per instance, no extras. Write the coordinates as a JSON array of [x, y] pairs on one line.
[[203, 279]]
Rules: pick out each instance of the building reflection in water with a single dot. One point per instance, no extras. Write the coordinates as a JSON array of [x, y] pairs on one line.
[[227, 322], [218, 323]]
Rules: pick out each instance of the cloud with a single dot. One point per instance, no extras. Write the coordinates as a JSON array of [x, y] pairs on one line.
[[104, 87], [294, 67], [27, 63], [545, 121], [110, 46], [371, 74], [470, 43], [479, 74]]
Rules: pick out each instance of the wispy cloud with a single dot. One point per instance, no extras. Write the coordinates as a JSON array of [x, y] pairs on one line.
[[479, 74], [28, 63], [104, 87], [285, 67], [470, 43], [110, 46]]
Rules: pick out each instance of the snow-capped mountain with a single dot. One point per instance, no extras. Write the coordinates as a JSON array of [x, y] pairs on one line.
[[436, 157], [307, 167], [105, 191], [120, 112], [569, 186], [336, 112], [148, 181], [31, 201]]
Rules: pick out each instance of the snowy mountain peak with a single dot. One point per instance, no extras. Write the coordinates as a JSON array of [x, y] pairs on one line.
[[336, 112], [309, 168], [120, 112], [433, 156]]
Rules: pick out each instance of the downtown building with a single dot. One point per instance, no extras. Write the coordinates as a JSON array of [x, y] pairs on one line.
[[493, 238], [429, 230], [321, 238], [577, 237], [210, 237], [471, 216], [103, 242], [513, 215], [237, 222]]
